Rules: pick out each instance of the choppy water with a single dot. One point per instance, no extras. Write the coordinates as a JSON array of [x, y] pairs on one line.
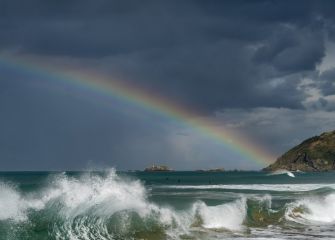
[[175, 205]]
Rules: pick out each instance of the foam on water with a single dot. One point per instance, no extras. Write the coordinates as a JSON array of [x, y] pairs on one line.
[[13, 205], [76, 196], [110, 207], [10, 203], [282, 171], [228, 216], [256, 187], [91, 207], [98, 199], [313, 210], [104, 196]]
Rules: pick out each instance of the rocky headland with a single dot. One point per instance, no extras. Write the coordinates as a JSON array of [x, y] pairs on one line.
[[314, 154]]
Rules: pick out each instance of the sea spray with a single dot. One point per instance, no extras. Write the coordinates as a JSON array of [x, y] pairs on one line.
[[91, 207], [281, 172], [229, 216], [313, 210], [107, 205], [13, 205]]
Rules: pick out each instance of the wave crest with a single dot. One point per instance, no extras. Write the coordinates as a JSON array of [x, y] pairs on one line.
[[108, 206], [313, 210]]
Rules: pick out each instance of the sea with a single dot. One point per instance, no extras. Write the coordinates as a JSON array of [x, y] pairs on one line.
[[166, 205]]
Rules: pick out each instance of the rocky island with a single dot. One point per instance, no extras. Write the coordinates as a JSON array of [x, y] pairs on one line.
[[314, 154], [157, 168]]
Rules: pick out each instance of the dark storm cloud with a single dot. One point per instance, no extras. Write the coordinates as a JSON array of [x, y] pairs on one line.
[[327, 82], [44, 129], [105, 27], [253, 62], [209, 55], [292, 50], [279, 129]]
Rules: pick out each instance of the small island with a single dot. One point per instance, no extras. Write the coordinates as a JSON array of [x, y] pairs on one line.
[[158, 168], [315, 154]]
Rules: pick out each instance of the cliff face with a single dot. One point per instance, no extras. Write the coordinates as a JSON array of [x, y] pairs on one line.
[[314, 154]]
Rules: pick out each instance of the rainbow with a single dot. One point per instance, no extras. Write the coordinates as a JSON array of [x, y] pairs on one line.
[[141, 98]]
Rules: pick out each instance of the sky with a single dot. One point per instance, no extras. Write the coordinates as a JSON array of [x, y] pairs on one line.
[[263, 69]]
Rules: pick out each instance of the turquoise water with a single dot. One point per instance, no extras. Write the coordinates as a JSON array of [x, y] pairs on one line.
[[166, 205]]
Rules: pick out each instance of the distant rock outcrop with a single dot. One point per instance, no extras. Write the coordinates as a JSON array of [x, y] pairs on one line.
[[314, 154], [158, 168]]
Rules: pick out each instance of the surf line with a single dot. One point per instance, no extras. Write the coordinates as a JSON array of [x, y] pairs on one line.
[[120, 90]]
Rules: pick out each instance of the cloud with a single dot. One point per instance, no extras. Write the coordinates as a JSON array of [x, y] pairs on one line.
[[205, 55], [262, 67], [291, 49], [278, 129]]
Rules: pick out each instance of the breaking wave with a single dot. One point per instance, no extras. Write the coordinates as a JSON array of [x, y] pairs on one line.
[[313, 210], [281, 172], [226, 216], [111, 207]]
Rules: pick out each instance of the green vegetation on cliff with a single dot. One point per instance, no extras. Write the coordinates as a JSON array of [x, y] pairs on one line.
[[314, 154]]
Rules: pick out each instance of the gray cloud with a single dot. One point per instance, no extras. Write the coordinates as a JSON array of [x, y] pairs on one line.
[[288, 50], [278, 129], [253, 61], [326, 82], [207, 55]]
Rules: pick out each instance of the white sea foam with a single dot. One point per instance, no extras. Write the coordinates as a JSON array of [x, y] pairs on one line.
[[99, 207], [255, 187], [13, 205], [318, 210], [88, 203], [228, 216], [10, 203], [98, 199], [282, 171], [105, 195]]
